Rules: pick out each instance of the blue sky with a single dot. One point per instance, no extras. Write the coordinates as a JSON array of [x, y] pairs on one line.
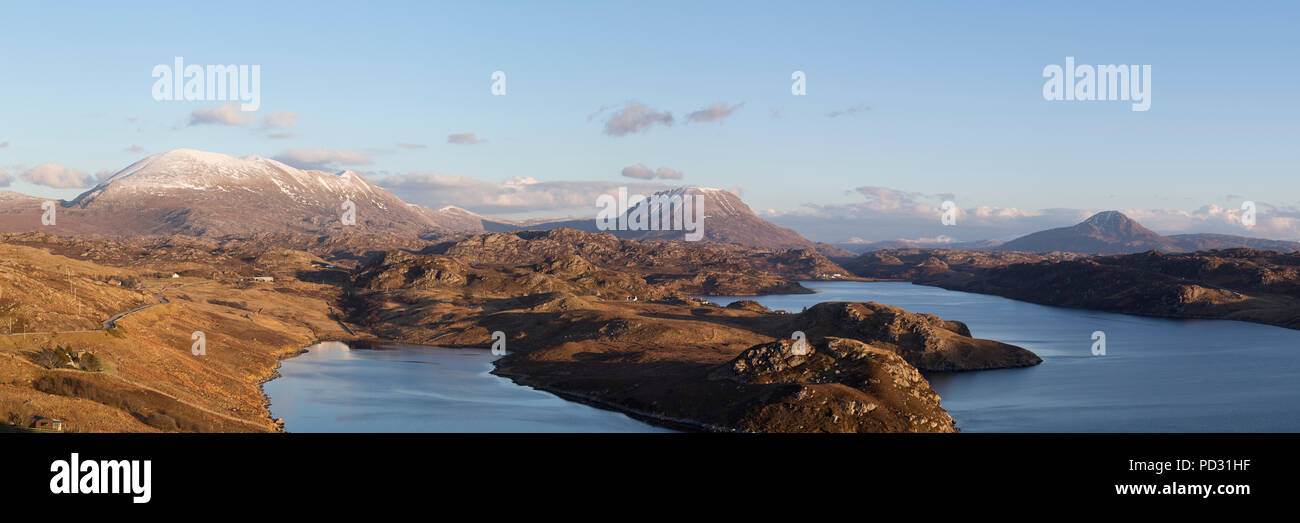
[[948, 96]]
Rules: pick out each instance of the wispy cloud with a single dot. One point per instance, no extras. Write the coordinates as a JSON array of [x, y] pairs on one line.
[[642, 172], [323, 159], [405, 145], [280, 120], [4, 178], [714, 113], [634, 118], [134, 149], [848, 111], [464, 139], [56, 176], [4, 144], [224, 114]]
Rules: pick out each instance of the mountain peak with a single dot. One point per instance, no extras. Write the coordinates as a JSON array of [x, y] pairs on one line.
[[1106, 232], [214, 193], [1108, 219]]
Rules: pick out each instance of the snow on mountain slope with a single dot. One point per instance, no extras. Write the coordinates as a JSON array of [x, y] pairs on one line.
[[195, 192], [726, 219]]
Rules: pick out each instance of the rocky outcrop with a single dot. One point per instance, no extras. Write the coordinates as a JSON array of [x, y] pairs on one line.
[[748, 305], [924, 340], [837, 385]]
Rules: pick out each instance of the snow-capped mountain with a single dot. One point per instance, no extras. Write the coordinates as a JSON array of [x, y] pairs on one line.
[[726, 219], [457, 219], [201, 193]]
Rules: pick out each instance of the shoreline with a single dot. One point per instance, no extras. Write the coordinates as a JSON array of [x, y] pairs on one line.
[[680, 425]]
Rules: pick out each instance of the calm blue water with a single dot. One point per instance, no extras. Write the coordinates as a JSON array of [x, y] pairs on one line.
[[333, 388], [1158, 375]]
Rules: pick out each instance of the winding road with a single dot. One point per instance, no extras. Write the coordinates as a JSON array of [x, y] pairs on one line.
[[111, 322]]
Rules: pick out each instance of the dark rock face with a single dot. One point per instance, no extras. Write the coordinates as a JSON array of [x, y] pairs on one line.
[[837, 384], [924, 340]]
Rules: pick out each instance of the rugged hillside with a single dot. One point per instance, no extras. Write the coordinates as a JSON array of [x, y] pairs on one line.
[[1205, 242], [137, 372], [690, 267], [926, 264]]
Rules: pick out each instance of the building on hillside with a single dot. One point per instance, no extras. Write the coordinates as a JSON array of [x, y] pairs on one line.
[[44, 423]]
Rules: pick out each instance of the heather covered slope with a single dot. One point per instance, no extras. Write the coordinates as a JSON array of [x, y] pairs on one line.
[[141, 374], [694, 267]]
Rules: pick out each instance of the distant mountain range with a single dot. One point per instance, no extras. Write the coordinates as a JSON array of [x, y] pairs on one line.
[[1111, 232], [1108, 232], [858, 247], [197, 193], [726, 219]]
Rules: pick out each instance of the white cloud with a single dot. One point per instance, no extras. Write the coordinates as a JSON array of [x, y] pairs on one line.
[[714, 113], [665, 173], [103, 175], [280, 120], [634, 118], [464, 139], [405, 145], [224, 114], [57, 176], [323, 159], [642, 172], [134, 149], [4, 178]]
